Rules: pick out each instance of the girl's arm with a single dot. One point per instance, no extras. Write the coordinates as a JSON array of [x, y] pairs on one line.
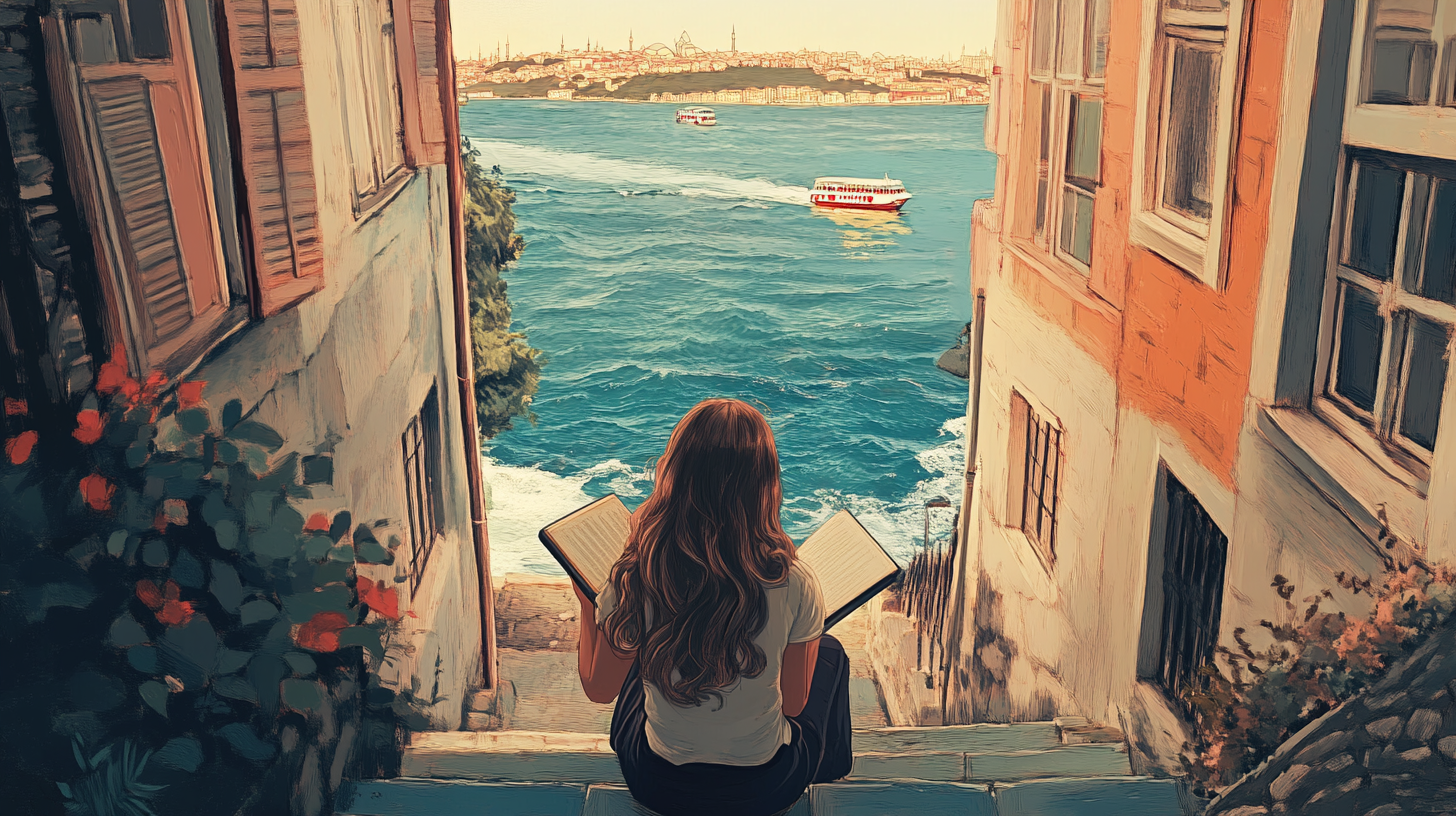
[[797, 674], [602, 667]]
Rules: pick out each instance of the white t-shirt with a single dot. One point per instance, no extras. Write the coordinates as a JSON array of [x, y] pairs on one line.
[[749, 726]]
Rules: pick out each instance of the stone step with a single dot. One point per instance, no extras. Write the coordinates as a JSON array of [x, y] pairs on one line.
[[524, 756], [440, 797], [1010, 766], [982, 738], [1123, 796]]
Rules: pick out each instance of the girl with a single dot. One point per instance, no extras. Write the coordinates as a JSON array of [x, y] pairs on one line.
[[733, 699]]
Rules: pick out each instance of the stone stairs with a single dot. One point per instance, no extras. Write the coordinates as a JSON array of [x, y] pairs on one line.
[[1022, 769]]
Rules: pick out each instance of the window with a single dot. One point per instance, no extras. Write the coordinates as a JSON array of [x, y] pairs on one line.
[[1391, 303], [1186, 571], [1064, 118], [1401, 53], [1036, 467], [424, 491], [135, 136], [1188, 120], [371, 97]]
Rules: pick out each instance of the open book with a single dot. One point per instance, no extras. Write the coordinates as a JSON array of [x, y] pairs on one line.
[[852, 567]]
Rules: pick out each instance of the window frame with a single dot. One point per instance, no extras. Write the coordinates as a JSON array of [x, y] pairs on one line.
[[1044, 218], [421, 453], [1030, 424], [1417, 130], [91, 175], [1374, 432], [385, 179], [1186, 242]]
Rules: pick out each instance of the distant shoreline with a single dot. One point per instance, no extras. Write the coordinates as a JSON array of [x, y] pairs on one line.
[[735, 104]]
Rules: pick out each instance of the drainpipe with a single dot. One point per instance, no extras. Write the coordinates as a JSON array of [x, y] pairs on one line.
[[464, 360], [952, 643]]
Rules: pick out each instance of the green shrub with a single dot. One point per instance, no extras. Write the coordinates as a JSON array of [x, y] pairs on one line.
[[507, 368], [181, 637]]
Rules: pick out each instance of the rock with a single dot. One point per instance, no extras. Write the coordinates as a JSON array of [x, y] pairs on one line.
[[1288, 782], [1390, 809], [1323, 747], [1386, 702], [1416, 754], [1339, 763], [1247, 810], [1447, 746], [1423, 724], [1385, 729]]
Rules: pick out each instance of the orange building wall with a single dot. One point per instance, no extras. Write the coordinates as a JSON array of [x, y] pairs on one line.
[[1186, 347]]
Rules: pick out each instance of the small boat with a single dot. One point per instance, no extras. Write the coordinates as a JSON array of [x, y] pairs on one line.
[[697, 116], [884, 194], [462, 99]]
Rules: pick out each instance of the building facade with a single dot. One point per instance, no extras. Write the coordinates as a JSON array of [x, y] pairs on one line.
[[1217, 277], [264, 196]]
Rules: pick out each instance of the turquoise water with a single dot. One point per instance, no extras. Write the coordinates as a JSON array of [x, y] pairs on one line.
[[669, 263]]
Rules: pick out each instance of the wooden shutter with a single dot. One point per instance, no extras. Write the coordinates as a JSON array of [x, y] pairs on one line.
[[275, 151], [132, 119], [417, 47]]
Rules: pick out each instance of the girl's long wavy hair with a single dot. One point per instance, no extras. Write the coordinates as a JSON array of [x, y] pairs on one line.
[[701, 549]]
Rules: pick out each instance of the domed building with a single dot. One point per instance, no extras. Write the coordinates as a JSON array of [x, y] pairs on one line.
[[685, 47], [658, 49]]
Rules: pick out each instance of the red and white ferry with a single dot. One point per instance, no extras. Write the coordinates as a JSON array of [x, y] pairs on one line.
[[697, 116], [884, 194]]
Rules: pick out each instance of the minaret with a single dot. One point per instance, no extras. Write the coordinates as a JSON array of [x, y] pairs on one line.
[[508, 46], [630, 47], [735, 39], [563, 45]]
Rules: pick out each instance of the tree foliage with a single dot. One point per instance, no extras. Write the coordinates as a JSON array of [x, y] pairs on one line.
[[507, 368]]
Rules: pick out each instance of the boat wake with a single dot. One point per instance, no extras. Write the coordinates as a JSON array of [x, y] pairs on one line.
[[631, 178]]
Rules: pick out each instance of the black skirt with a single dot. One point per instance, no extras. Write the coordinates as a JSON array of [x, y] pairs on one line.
[[819, 751]]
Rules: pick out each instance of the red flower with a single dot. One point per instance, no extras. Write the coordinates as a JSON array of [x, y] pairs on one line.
[[97, 492], [154, 384], [189, 394], [321, 633], [113, 377], [317, 523], [148, 593], [16, 407], [88, 426], [176, 613], [381, 600], [19, 448]]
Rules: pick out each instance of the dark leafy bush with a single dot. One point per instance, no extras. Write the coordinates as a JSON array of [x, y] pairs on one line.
[[1313, 663], [184, 634]]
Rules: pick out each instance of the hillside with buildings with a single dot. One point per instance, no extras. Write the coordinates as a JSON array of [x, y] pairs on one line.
[[685, 73]]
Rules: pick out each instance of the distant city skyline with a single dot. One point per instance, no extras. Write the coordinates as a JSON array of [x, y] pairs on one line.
[[931, 29]]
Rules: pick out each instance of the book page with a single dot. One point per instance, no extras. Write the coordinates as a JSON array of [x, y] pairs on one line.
[[846, 558], [593, 537]]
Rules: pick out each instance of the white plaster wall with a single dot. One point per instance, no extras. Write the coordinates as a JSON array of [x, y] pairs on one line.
[[1048, 615]]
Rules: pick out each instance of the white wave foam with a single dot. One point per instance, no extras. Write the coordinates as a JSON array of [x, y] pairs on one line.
[[632, 178], [522, 500]]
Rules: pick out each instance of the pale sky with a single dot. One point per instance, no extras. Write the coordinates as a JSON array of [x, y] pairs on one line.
[[928, 28]]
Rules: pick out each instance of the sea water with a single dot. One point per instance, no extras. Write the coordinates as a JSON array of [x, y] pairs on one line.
[[669, 263]]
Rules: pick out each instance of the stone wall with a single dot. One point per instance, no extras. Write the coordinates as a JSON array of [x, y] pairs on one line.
[[1388, 751]]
